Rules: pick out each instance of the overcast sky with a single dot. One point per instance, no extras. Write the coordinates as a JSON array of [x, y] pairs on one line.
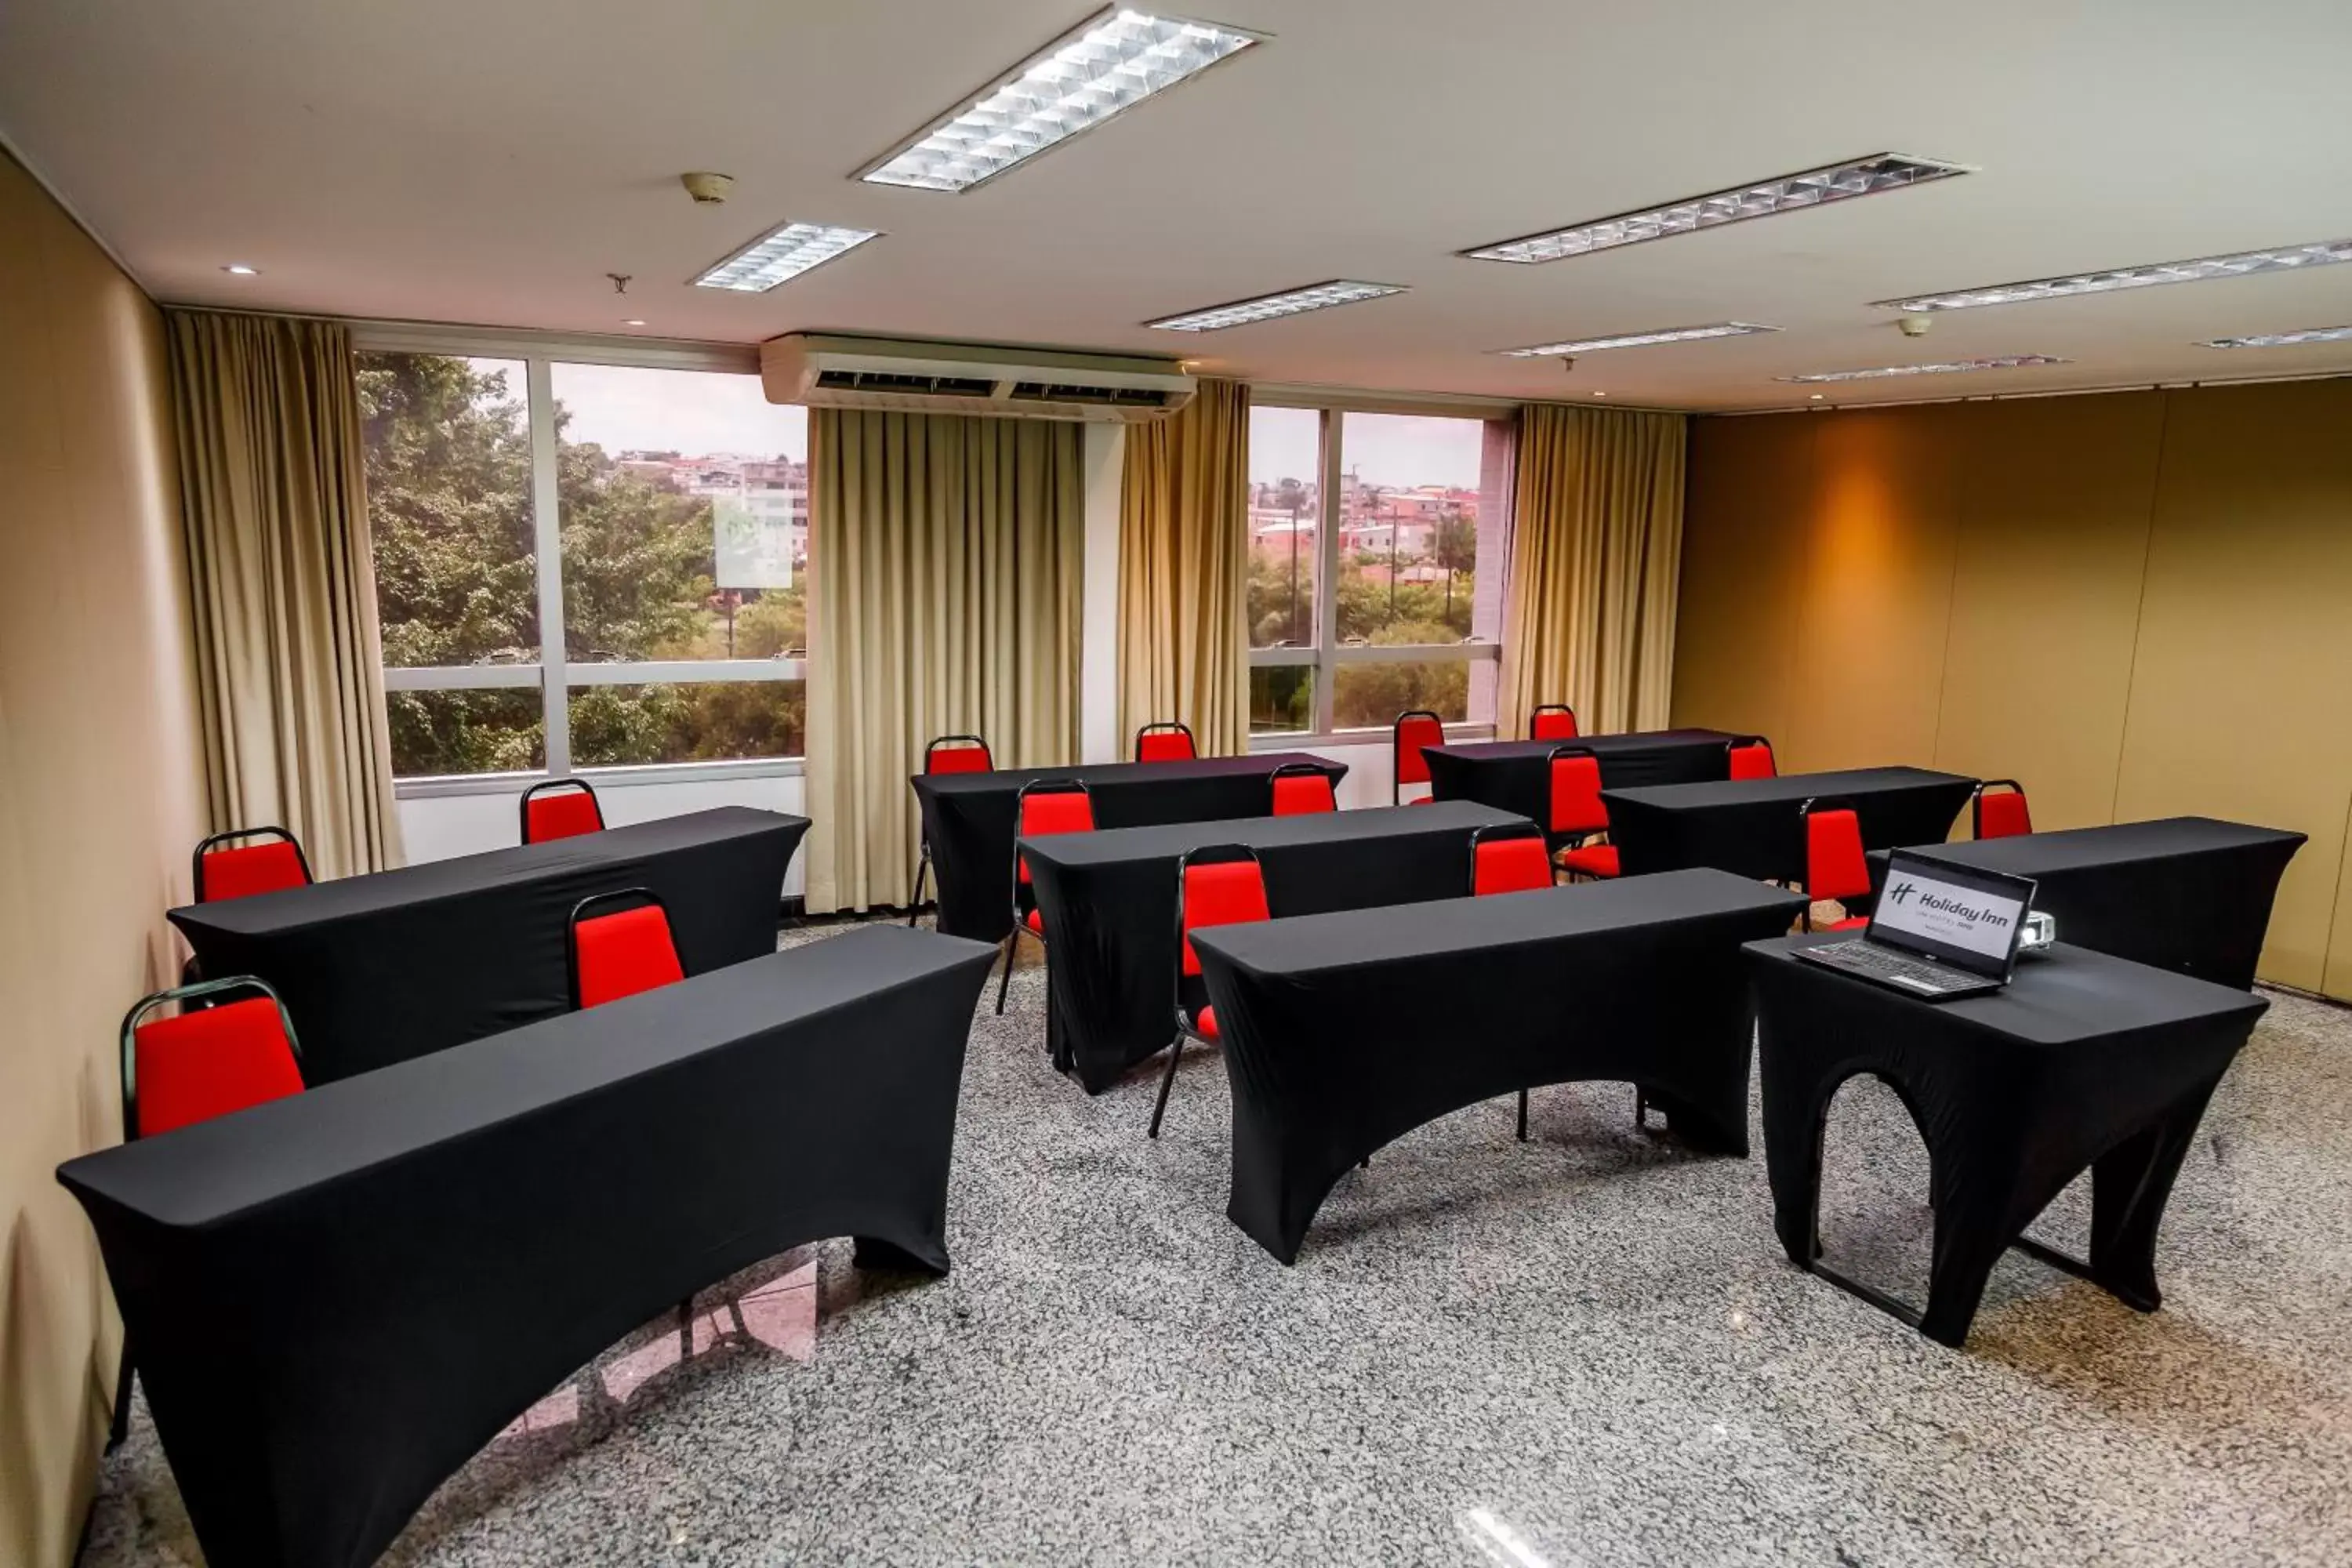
[[1391, 449]]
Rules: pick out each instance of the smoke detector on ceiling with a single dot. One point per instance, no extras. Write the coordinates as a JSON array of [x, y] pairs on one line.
[[707, 190]]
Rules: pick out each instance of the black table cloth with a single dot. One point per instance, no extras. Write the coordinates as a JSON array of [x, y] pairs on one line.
[[379, 968], [336, 1299], [1109, 902], [2086, 1061], [1515, 775], [968, 818], [2186, 893], [1750, 826], [1342, 1031]]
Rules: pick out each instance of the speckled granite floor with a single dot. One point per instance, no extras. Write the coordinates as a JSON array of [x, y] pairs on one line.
[[1586, 1351]]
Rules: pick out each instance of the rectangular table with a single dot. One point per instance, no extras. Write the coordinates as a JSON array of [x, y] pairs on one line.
[[2186, 893], [968, 818], [1750, 826], [1515, 775], [336, 1299], [1342, 1031], [2086, 1061], [379, 968], [1109, 902]]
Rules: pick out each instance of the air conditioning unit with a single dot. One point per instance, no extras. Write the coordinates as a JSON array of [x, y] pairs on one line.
[[964, 378]]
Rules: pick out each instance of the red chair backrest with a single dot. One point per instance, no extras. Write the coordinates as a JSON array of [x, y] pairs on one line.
[[240, 870], [1836, 865], [560, 814], [1054, 811], [1228, 893], [1516, 865], [208, 1063], [1164, 746], [622, 953], [1576, 805], [1752, 759], [1414, 731], [2002, 813], [949, 757], [1553, 721], [1298, 794]]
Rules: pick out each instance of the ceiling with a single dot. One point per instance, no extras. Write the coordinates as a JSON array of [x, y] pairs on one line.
[[453, 160]]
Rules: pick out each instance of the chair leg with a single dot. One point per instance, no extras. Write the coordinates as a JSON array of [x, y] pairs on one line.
[[922, 871], [685, 1328], [1523, 1116], [1167, 1083], [120, 1427], [1011, 940]]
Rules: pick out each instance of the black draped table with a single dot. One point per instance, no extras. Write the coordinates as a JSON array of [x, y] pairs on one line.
[[1109, 900], [1515, 775], [968, 818], [1342, 1031], [336, 1299], [379, 968], [2186, 893], [1750, 826], [2086, 1061]]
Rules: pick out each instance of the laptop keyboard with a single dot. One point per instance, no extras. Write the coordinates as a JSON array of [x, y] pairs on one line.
[[1911, 973]]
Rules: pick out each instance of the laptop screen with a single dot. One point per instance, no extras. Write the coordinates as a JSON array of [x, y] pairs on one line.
[[1963, 916]]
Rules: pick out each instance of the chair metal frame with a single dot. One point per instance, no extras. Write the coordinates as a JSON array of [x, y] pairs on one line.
[[1295, 771], [1976, 804], [549, 786], [923, 840], [1396, 750], [1542, 708], [1805, 810], [196, 866], [1168, 727], [644, 896], [1224, 855], [1069, 785]]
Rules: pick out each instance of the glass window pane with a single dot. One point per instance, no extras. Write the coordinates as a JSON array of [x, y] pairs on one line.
[[1286, 467], [1370, 696], [684, 497], [448, 480], [1282, 698], [691, 721], [1410, 511], [467, 731]]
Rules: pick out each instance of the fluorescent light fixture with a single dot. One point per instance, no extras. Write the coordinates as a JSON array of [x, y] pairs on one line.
[[1111, 62], [1268, 307], [783, 253], [2281, 339], [239, 269], [2238, 264], [1640, 340], [1788, 193], [1949, 367]]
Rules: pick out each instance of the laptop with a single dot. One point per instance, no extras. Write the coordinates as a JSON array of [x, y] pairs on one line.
[[1938, 932]]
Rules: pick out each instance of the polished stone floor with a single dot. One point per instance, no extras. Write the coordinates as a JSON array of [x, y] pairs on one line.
[[1585, 1351]]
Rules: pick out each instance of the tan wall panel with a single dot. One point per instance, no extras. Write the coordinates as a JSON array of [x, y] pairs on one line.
[[2242, 690], [1745, 537], [2056, 494]]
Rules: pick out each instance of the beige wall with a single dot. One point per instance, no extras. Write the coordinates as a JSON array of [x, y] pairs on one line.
[[99, 805], [2139, 605]]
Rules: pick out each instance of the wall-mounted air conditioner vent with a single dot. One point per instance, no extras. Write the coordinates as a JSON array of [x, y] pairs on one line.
[[961, 378]]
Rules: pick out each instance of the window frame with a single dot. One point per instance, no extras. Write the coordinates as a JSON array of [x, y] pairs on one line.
[[539, 353], [1327, 656]]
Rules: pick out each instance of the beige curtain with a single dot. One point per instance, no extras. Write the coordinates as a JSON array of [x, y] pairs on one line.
[[1183, 572], [1596, 561], [281, 585], [946, 560]]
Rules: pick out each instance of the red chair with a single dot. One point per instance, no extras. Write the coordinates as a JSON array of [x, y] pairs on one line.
[[1552, 721], [1229, 890], [947, 754], [1751, 758], [206, 1061], [1836, 866], [559, 808], [1578, 813], [1043, 806], [2000, 816], [616, 955], [1302, 789], [1415, 728], [1165, 743], [226, 869], [1508, 860]]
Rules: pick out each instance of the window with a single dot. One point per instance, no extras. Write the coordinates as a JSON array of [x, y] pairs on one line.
[[673, 626], [1368, 531]]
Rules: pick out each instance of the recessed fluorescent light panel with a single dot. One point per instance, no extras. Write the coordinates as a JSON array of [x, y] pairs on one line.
[[2236, 265], [2281, 339], [784, 253], [1111, 63], [1949, 367], [1640, 340], [1789, 193], [1268, 307]]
